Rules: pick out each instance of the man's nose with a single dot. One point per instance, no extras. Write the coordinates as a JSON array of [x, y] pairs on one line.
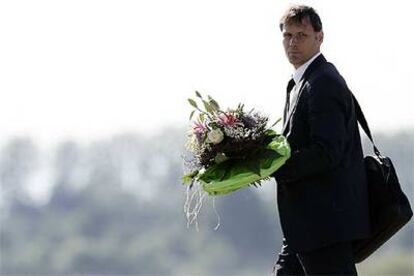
[[293, 41]]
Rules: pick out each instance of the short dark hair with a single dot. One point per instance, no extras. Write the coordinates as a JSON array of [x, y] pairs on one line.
[[296, 13]]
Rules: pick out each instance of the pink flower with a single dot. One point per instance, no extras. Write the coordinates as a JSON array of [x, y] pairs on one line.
[[199, 128], [228, 120]]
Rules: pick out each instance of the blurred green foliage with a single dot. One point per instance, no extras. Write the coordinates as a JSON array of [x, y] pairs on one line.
[[116, 207]]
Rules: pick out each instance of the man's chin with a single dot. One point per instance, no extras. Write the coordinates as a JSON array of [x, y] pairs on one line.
[[295, 62], [294, 59]]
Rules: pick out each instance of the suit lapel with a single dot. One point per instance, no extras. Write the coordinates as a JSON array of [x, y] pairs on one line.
[[312, 67], [289, 88], [293, 107]]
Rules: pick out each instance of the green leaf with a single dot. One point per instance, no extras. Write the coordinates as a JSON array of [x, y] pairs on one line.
[[198, 94], [271, 133], [217, 171], [189, 177], [207, 107], [267, 157], [214, 104], [186, 179], [201, 116], [277, 121], [253, 165], [191, 115], [193, 103]]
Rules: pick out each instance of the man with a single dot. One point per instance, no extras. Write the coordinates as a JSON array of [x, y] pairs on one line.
[[322, 189]]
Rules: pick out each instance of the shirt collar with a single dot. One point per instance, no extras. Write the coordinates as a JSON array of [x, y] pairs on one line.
[[297, 75]]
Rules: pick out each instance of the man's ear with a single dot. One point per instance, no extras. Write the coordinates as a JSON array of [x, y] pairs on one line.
[[320, 36]]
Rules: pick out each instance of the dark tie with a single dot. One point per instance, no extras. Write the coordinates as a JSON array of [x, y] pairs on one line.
[[289, 88]]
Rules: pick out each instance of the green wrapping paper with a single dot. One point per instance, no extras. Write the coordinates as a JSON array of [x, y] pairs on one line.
[[234, 174]]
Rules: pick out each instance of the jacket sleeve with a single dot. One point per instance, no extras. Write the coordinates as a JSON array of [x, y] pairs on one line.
[[327, 123]]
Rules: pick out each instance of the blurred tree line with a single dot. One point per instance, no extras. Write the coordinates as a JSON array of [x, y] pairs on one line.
[[115, 206]]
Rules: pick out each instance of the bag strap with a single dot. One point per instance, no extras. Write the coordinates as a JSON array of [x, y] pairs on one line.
[[363, 122]]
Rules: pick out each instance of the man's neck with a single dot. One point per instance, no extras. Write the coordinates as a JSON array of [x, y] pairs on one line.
[[298, 73]]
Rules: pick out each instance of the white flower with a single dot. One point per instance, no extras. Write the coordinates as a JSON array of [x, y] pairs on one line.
[[215, 136], [192, 143]]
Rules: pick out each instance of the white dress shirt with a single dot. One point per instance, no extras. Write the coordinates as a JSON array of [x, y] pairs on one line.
[[297, 75]]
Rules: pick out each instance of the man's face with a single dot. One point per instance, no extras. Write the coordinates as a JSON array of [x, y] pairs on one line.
[[301, 42]]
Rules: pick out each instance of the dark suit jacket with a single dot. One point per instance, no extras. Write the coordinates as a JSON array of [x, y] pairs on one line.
[[322, 189]]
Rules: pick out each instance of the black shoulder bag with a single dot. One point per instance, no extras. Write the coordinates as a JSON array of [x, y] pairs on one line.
[[389, 207]]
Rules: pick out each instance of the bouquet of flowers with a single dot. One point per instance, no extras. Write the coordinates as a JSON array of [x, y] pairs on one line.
[[229, 150]]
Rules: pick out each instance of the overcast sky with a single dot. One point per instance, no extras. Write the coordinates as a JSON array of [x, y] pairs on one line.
[[88, 69]]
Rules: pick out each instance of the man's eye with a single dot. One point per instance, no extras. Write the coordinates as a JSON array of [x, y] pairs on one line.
[[285, 35]]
